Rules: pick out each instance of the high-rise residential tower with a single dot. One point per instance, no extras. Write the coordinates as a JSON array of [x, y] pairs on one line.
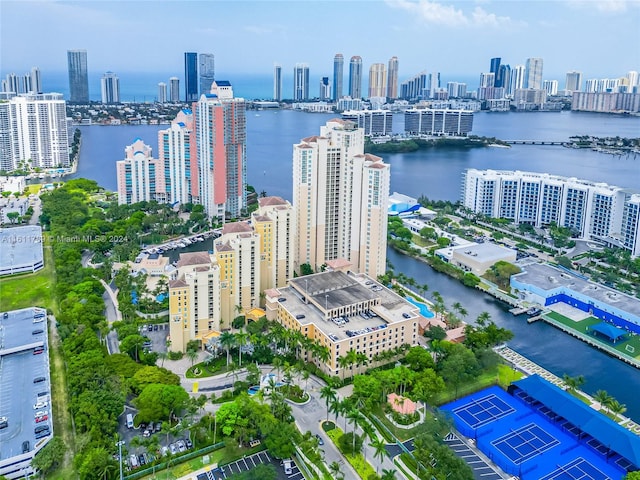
[[377, 80], [34, 126], [177, 158], [301, 82], [355, 77], [207, 71], [392, 78], [277, 82], [78, 76], [174, 89], [139, 175], [505, 77], [162, 92], [338, 76], [220, 136], [325, 89], [573, 81], [36, 80], [340, 197], [110, 88], [191, 77], [533, 73], [517, 79], [495, 69]]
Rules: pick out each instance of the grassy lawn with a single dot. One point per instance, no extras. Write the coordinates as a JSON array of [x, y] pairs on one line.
[[218, 366], [507, 375], [359, 464], [629, 347], [61, 416], [418, 240], [30, 289], [484, 380]]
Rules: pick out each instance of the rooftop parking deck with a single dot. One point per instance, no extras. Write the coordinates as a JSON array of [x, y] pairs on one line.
[[343, 305], [24, 382]]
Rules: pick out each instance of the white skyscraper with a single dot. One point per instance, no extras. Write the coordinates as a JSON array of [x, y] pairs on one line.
[[340, 197], [517, 79], [162, 92], [573, 82], [36, 80], [37, 131], [174, 89], [533, 73], [110, 88], [138, 175], [174, 154], [301, 82], [550, 86]]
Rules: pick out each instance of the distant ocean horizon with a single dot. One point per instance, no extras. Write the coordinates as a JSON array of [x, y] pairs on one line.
[[143, 86]]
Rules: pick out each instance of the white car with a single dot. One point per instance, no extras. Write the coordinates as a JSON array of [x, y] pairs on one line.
[[41, 413], [288, 466], [40, 405]]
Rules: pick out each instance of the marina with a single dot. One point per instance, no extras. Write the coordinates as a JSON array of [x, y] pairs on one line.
[[181, 242]]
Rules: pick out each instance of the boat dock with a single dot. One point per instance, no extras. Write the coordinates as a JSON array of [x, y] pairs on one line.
[[534, 319], [518, 310]]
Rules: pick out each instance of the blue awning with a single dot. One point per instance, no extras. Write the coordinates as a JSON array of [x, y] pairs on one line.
[[600, 427], [608, 330]]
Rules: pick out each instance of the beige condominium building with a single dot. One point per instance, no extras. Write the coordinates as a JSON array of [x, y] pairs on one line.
[[340, 198], [344, 311], [210, 290]]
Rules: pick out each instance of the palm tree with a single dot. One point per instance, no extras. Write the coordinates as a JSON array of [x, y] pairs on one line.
[[616, 408], [361, 360], [227, 340], [336, 470], [192, 355], [573, 383], [483, 319], [602, 397], [355, 417], [162, 356], [233, 370], [240, 340], [343, 362], [388, 475], [329, 395], [277, 363], [379, 450]]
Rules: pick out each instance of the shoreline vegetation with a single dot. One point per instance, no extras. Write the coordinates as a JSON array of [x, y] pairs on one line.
[[415, 144]]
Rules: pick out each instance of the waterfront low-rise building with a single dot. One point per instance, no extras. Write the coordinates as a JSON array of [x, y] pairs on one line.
[[344, 311], [591, 210], [547, 285], [427, 121], [374, 122]]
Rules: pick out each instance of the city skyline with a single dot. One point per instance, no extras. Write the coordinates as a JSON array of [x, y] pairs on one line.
[[515, 31]]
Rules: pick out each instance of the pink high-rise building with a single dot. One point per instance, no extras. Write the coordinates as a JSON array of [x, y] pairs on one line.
[[220, 139]]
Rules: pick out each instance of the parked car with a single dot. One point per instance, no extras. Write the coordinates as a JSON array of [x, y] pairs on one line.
[[288, 466], [26, 446], [42, 418], [39, 405], [164, 451], [320, 441], [182, 447], [188, 443], [141, 459], [40, 413], [173, 448]]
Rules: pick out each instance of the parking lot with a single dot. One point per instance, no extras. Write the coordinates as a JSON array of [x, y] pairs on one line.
[[481, 469], [157, 334], [247, 463]]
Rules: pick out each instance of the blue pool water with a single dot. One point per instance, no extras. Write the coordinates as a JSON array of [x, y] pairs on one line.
[[424, 310]]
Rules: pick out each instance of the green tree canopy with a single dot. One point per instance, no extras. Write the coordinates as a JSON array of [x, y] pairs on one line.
[[157, 401]]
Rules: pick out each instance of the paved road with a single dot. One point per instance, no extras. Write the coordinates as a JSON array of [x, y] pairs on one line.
[[111, 312]]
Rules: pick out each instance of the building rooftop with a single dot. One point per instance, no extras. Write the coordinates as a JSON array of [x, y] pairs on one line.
[[316, 298], [482, 252], [236, 227], [268, 201], [193, 258], [20, 247], [549, 278], [20, 367]]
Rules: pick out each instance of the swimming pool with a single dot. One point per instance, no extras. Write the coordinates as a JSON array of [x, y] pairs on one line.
[[424, 310]]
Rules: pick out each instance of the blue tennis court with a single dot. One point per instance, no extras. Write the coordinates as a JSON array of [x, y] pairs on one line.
[[524, 443], [483, 410], [577, 469]]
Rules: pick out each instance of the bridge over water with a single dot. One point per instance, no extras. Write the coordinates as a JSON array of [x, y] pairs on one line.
[[534, 142]]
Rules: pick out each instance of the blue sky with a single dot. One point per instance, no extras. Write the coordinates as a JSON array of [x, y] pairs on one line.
[[598, 37]]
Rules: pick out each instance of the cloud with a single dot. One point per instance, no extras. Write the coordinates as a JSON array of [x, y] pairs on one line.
[[448, 15], [606, 6]]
